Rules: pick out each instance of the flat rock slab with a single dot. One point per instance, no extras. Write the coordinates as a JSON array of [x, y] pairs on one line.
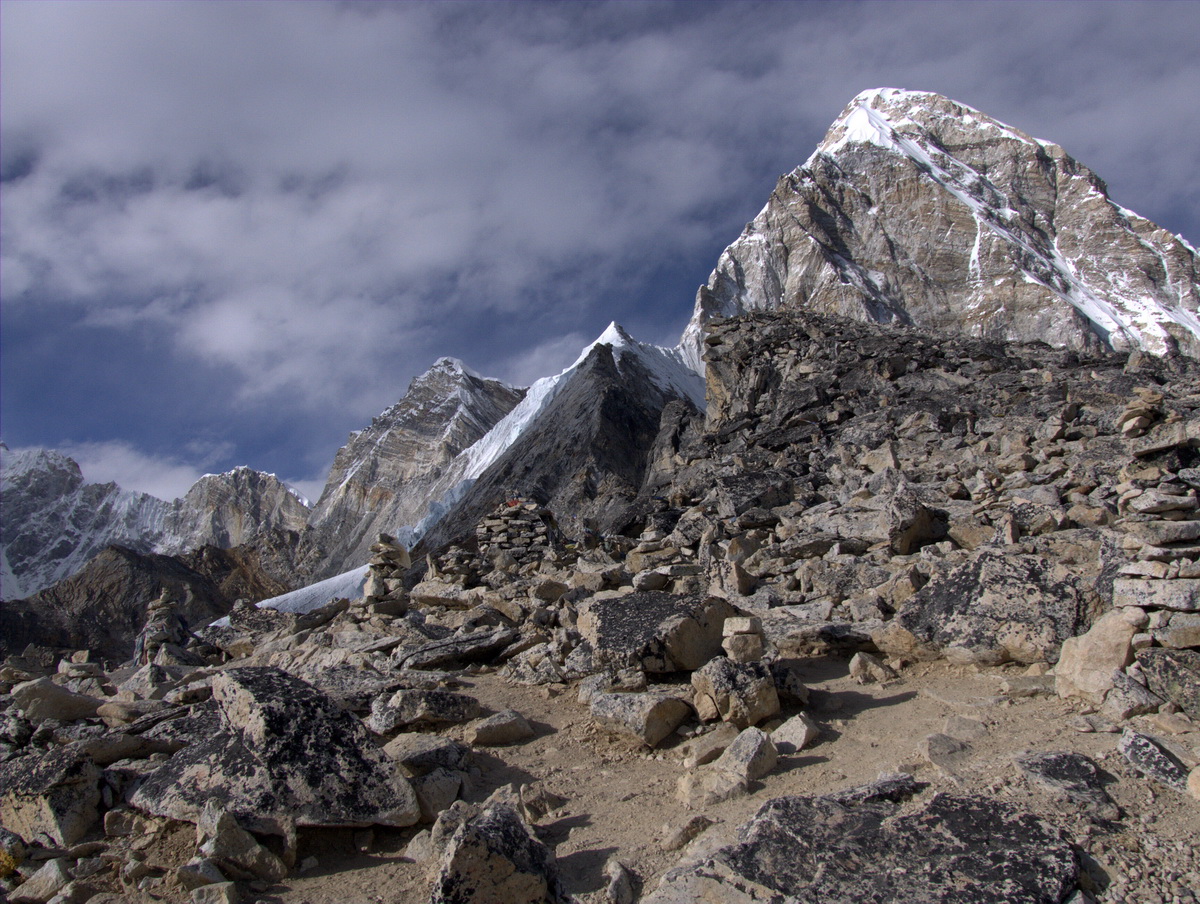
[[861, 845], [1071, 775], [654, 631], [459, 648], [283, 752], [991, 609], [1178, 593], [410, 707]]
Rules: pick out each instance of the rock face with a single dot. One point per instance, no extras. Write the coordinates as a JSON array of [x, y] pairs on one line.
[[918, 210], [53, 523], [285, 754], [859, 846], [583, 440], [994, 608], [103, 606], [231, 509], [383, 477]]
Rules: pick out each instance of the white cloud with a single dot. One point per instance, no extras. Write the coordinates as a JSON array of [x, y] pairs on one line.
[[165, 477], [306, 194]]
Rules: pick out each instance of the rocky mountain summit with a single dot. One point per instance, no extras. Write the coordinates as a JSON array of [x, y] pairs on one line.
[[918, 210], [384, 477]]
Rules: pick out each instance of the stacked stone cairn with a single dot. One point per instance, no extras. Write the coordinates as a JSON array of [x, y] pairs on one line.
[[384, 591], [520, 534]]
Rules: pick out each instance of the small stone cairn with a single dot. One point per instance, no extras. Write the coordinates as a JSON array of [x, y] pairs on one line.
[[385, 580]]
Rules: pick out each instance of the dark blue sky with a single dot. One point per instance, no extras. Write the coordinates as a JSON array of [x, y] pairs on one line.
[[232, 233]]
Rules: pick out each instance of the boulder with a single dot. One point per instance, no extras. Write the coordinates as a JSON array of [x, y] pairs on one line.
[[283, 753], [648, 717], [1149, 756], [506, 727], [795, 734], [741, 693], [655, 631], [1173, 675], [495, 857], [53, 876], [707, 747], [751, 755], [1127, 698], [420, 752], [436, 790], [467, 647], [408, 707], [911, 524], [1182, 631], [216, 893], [1072, 776], [12, 852], [1087, 662], [55, 793], [862, 845], [42, 699], [991, 609], [235, 852], [868, 669], [1182, 594]]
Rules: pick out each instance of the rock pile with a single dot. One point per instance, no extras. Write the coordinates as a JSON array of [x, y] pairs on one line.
[[520, 533]]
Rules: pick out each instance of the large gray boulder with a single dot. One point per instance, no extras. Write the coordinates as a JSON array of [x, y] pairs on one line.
[[284, 753], [993, 608], [739, 692], [55, 794], [655, 631], [862, 845]]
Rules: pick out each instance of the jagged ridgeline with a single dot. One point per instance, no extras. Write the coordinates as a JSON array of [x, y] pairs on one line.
[[918, 486]]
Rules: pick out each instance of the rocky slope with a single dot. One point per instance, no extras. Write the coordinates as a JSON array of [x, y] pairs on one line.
[[383, 478], [582, 445], [103, 606], [967, 562], [919, 210], [231, 509]]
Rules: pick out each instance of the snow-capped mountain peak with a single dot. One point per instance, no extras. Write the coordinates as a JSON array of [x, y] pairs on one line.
[[918, 209]]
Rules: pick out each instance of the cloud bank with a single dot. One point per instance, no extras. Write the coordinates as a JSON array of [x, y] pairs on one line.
[[298, 207]]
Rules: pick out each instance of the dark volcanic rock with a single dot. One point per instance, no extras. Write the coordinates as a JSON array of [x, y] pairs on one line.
[[285, 752], [991, 609], [1174, 675], [863, 847]]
